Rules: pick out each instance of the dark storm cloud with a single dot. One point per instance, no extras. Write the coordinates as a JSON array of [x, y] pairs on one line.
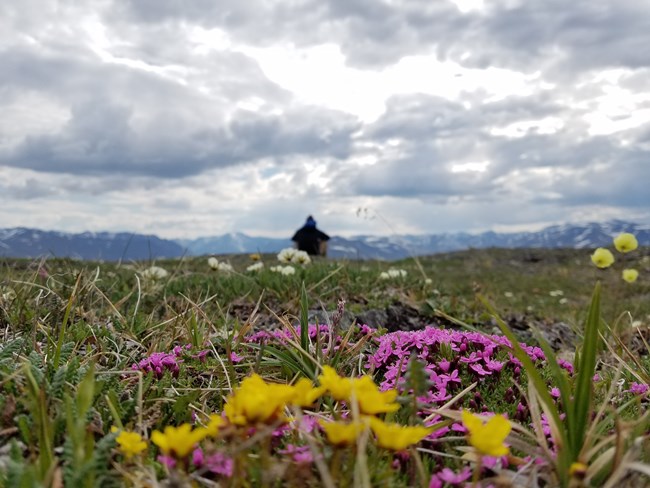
[[88, 145], [125, 120]]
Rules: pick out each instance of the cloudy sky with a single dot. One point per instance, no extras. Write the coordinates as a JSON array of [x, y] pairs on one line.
[[188, 118]]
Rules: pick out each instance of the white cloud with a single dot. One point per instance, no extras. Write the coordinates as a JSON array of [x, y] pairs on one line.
[[188, 119]]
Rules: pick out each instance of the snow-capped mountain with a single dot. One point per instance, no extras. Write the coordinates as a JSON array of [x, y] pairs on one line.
[[590, 235], [22, 242], [233, 243], [31, 243]]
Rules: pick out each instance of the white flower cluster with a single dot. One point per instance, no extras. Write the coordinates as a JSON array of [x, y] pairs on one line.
[[393, 273], [285, 270], [291, 255], [255, 266], [222, 266], [155, 273]]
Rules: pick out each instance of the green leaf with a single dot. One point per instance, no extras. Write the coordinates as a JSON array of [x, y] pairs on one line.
[[582, 404], [304, 324], [85, 392]]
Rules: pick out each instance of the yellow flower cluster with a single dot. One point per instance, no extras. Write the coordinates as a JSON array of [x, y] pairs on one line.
[[624, 243], [364, 393], [257, 401], [179, 441], [129, 443], [395, 437]]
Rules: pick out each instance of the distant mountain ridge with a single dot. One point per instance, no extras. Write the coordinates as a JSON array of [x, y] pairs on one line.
[[32, 243], [22, 242]]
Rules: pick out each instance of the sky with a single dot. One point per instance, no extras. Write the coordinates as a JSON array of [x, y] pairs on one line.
[[188, 118]]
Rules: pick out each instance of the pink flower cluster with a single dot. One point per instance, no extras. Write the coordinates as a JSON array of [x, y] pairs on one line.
[[283, 335], [160, 362], [472, 353], [320, 331]]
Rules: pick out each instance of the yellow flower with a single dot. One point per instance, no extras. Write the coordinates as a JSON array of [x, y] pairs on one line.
[[371, 401], [578, 470], [397, 437], [130, 443], [305, 394], [625, 242], [257, 401], [214, 424], [343, 433], [178, 441], [630, 275], [338, 387], [255, 257], [603, 258], [487, 438]]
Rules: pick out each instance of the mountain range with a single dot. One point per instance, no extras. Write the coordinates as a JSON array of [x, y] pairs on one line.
[[32, 243]]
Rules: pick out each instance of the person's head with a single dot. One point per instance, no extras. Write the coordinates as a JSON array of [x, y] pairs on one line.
[[310, 222]]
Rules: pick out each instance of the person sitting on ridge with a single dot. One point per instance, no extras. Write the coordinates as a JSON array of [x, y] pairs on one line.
[[311, 240]]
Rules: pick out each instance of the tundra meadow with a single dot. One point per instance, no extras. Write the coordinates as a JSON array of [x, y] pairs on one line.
[[480, 368]]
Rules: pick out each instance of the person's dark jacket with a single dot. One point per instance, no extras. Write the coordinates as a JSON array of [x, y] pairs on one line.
[[309, 238]]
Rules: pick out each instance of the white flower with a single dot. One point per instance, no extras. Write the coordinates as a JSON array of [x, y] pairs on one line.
[[217, 265], [284, 270], [563, 301], [301, 257], [155, 273], [556, 293], [286, 255], [213, 262], [508, 294], [225, 267], [256, 266], [428, 281], [288, 270], [393, 273]]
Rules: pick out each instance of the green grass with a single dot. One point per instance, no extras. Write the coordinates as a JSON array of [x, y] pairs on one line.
[[70, 333]]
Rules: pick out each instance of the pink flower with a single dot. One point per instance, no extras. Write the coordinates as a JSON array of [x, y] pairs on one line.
[[300, 454], [220, 464], [454, 377], [638, 388], [493, 365], [308, 424], [449, 476], [201, 355], [566, 365], [478, 369], [365, 330], [444, 365], [168, 461], [235, 358]]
